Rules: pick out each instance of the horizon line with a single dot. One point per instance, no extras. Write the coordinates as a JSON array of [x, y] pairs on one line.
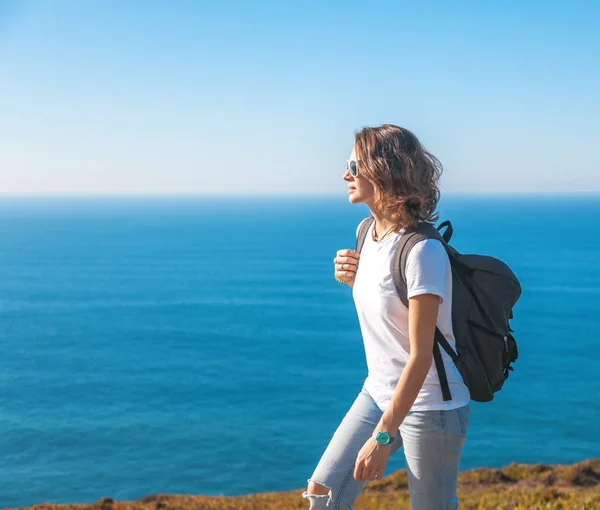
[[286, 194]]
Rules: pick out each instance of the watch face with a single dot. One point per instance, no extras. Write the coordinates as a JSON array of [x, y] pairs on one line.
[[383, 438]]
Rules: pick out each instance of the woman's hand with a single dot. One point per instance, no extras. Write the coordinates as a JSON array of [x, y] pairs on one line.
[[346, 265], [371, 461]]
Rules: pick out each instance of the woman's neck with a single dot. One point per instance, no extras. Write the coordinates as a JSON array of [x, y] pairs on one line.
[[383, 224]]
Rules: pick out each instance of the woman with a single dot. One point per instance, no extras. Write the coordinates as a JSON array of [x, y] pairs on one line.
[[400, 403]]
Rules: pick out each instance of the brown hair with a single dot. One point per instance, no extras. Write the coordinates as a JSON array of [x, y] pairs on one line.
[[404, 174]]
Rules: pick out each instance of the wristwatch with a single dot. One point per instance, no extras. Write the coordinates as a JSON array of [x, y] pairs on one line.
[[384, 438]]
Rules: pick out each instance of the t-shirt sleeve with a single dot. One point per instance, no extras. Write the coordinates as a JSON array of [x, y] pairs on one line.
[[426, 269]]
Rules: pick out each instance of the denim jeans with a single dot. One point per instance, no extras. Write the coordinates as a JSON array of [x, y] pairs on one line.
[[432, 441]]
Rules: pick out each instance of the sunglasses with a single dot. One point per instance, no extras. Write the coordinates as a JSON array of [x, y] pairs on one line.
[[352, 166]]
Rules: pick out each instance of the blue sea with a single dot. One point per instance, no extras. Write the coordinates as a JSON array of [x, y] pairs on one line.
[[201, 345]]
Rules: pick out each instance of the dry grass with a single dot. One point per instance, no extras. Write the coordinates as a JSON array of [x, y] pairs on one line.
[[516, 487]]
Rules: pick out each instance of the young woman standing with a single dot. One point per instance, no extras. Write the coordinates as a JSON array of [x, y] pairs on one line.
[[400, 403]]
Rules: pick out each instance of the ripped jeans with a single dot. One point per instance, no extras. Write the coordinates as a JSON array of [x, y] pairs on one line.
[[433, 442]]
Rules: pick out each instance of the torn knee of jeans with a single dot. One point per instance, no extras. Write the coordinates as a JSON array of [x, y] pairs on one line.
[[310, 495]]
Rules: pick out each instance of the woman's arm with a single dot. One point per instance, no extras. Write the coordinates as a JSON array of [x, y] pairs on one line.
[[422, 319]]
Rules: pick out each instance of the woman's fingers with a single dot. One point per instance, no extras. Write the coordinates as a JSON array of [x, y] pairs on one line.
[[348, 253], [346, 260], [346, 264], [368, 474], [358, 471], [346, 268], [365, 474]]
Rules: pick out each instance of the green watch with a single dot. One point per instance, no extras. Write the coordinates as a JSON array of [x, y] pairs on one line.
[[384, 438]]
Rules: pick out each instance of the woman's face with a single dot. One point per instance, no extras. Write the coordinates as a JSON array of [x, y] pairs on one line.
[[360, 190]]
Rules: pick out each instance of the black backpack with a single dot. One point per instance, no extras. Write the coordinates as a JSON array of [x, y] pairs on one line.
[[484, 291]]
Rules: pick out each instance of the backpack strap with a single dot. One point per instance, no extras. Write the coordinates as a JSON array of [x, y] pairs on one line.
[[362, 232], [449, 230], [407, 242]]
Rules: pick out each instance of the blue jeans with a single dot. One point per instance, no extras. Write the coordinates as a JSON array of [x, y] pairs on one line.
[[433, 442]]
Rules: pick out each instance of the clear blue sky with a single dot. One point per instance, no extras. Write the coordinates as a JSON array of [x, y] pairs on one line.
[[264, 97]]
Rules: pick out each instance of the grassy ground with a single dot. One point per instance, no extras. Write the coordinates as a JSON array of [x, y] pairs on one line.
[[516, 487]]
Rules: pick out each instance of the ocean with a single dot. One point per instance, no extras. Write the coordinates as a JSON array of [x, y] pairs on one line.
[[201, 345]]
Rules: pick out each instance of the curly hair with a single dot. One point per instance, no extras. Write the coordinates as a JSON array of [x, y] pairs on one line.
[[405, 176]]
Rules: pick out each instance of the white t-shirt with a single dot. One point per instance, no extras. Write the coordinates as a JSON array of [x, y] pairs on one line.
[[384, 319]]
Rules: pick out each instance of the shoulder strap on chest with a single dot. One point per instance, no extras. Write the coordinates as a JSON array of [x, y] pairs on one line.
[[362, 232]]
